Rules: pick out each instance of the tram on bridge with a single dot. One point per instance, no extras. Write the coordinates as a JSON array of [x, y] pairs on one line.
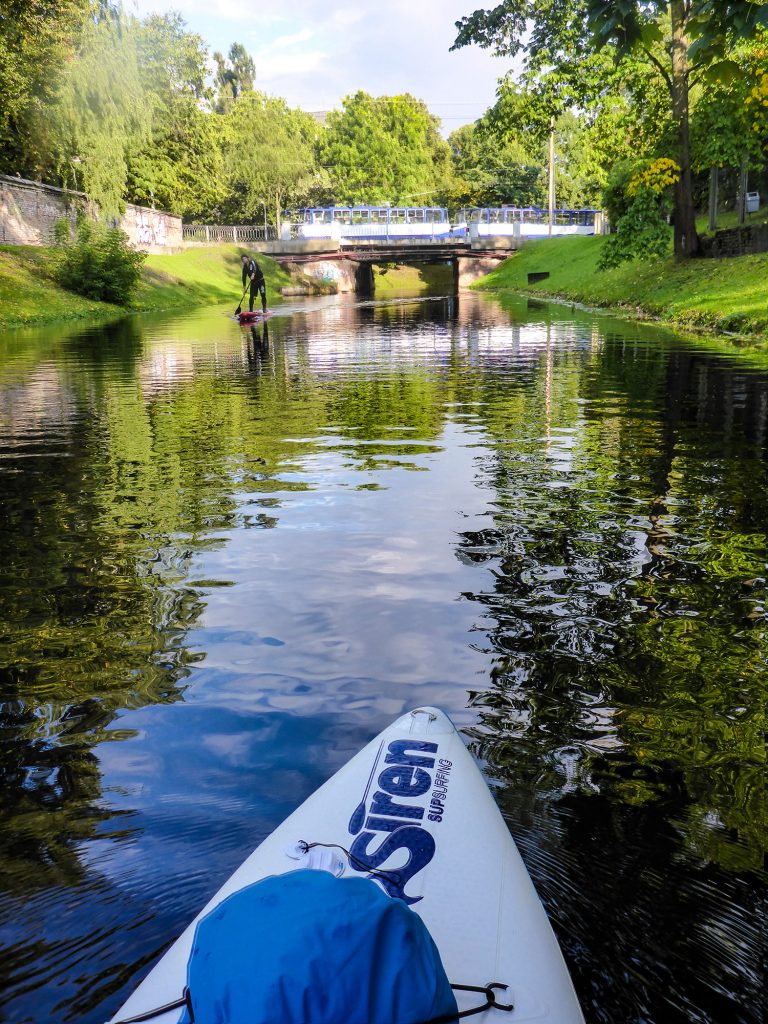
[[388, 223], [526, 221], [432, 223]]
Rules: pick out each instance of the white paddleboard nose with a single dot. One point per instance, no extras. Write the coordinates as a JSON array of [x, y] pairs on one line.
[[426, 721]]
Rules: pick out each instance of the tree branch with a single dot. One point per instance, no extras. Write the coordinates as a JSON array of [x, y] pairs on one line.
[[659, 66]]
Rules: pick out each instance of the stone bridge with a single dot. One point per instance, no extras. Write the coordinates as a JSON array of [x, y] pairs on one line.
[[350, 266]]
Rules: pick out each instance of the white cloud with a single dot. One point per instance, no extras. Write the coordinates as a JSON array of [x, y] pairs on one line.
[[273, 69], [297, 37], [326, 53]]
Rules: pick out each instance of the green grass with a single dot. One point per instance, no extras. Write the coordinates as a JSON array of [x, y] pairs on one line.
[[203, 276], [718, 295], [730, 219], [406, 280], [195, 277], [28, 293]]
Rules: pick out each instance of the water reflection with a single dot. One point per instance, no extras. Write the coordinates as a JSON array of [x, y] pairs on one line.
[[232, 555]]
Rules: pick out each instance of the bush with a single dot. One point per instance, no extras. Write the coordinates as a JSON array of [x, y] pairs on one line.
[[639, 201], [100, 264]]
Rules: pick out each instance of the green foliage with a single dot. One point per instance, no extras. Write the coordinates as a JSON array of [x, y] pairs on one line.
[[234, 77], [179, 167], [569, 46], [385, 149], [36, 39], [711, 26], [268, 155], [493, 172], [101, 113], [723, 128], [100, 264], [62, 231], [173, 60], [641, 232]]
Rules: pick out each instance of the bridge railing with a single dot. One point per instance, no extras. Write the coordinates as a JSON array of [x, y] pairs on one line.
[[236, 233]]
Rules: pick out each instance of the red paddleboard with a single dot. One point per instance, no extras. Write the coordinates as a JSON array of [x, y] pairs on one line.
[[254, 318]]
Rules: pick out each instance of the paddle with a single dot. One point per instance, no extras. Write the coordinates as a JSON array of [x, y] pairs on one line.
[[240, 303], [358, 815]]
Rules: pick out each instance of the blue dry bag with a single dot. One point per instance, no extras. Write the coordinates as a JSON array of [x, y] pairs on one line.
[[309, 948]]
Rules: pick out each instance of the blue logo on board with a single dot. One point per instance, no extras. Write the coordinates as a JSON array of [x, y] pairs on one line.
[[391, 819]]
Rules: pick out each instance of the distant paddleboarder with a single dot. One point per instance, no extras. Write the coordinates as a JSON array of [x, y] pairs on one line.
[[252, 272]]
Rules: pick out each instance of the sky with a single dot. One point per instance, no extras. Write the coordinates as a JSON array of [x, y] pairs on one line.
[[313, 54]]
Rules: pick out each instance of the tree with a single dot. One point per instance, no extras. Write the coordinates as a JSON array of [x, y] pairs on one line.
[[724, 129], [37, 38], [682, 40], [101, 112], [179, 167], [233, 77], [384, 149], [268, 155], [493, 172], [697, 36]]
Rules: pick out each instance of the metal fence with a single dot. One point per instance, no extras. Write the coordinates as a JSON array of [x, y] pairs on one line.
[[227, 233]]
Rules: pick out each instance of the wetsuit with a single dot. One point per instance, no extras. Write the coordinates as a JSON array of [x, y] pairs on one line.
[[252, 270]]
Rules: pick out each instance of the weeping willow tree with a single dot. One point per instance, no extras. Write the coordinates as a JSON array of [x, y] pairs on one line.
[[101, 112]]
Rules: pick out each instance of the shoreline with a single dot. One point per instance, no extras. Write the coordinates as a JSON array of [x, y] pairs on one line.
[[725, 298], [631, 313], [30, 297]]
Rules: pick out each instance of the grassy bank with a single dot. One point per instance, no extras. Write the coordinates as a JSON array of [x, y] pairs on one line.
[[199, 277], [28, 293], [196, 277], [404, 280], [717, 295]]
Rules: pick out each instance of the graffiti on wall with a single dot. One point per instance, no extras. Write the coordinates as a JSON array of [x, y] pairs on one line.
[[151, 227]]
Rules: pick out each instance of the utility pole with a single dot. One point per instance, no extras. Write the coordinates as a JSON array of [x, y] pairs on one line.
[[551, 173], [713, 182], [743, 186]]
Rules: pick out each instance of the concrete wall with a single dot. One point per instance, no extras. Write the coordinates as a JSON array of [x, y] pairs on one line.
[[29, 210], [471, 268], [152, 230], [341, 273], [297, 245], [743, 241]]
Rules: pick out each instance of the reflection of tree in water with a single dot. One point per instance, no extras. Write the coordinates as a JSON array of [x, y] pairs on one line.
[[625, 715], [96, 604]]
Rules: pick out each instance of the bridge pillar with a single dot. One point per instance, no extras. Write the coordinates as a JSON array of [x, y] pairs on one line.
[[468, 269], [364, 284]]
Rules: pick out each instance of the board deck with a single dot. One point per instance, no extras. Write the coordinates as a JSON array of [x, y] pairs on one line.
[[255, 317], [459, 870]]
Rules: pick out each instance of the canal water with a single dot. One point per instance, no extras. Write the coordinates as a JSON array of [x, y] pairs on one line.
[[231, 557]]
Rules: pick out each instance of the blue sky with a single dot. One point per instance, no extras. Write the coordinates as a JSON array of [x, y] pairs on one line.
[[316, 53]]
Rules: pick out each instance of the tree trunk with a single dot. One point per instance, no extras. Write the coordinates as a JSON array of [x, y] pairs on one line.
[[686, 238]]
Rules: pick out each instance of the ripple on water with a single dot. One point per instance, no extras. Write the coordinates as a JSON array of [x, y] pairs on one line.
[[231, 557]]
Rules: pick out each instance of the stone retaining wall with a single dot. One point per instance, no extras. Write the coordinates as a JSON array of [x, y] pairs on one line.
[[29, 211], [743, 241]]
